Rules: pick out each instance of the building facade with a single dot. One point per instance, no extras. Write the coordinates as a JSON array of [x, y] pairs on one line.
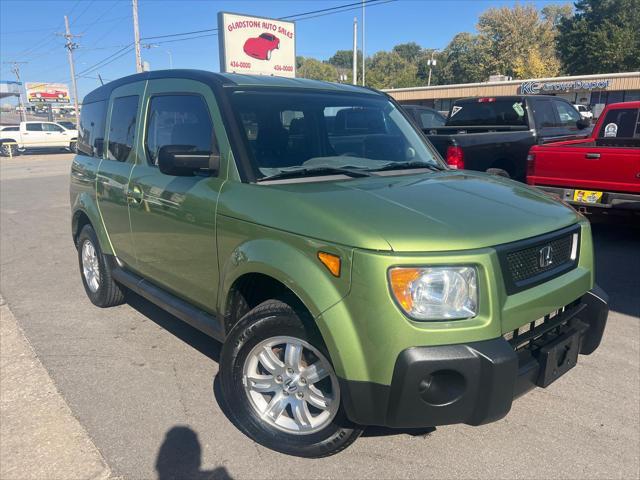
[[594, 90]]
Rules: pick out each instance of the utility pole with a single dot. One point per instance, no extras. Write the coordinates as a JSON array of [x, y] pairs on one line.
[[136, 36], [71, 46], [15, 68], [355, 50], [364, 2]]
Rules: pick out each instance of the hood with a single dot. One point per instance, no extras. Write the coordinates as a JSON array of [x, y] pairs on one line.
[[408, 213]]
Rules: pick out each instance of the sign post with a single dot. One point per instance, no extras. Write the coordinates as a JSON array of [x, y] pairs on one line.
[[256, 45]]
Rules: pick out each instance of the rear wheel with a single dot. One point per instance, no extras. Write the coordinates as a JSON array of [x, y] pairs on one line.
[[279, 383], [95, 270], [9, 150]]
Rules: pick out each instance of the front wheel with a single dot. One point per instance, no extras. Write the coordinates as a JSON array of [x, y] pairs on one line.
[[280, 386], [73, 146]]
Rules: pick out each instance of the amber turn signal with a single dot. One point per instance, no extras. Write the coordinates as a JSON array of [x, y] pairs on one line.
[[400, 280], [332, 262]]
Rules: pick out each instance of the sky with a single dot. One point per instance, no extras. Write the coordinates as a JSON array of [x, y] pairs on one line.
[[29, 31]]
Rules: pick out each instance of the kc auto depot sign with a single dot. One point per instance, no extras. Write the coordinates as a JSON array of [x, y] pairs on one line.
[[535, 88], [256, 45]]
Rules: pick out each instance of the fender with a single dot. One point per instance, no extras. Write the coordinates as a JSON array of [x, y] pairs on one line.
[[85, 204], [10, 140], [292, 263]]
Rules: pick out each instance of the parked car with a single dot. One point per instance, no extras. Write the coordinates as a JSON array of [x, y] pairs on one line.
[[425, 117], [494, 134], [584, 111], [261, 47], [352, 277], [36, 135], [601, 172]]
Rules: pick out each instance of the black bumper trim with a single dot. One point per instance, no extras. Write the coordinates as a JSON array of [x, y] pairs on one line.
[[472, 383]]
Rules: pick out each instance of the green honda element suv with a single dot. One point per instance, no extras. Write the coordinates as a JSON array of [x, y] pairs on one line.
[[352, 277]]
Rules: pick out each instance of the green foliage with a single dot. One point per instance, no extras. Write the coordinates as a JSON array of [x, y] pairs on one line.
[[317, 70], [603, 36], [411, 51], [466, 59], [390, 70]]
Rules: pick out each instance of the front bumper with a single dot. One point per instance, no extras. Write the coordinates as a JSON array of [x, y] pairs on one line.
[[475, 383]]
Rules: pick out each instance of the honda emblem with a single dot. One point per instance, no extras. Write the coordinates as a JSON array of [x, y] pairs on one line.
[[545, 256]]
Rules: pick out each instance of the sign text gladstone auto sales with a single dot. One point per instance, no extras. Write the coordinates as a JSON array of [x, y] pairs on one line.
[[256, 45]]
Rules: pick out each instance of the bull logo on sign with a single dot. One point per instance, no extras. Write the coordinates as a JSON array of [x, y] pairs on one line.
[[530, 88]]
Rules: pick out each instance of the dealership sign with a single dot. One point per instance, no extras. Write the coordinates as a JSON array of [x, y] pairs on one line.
[[47, 93], [256, 45], [534, 88]]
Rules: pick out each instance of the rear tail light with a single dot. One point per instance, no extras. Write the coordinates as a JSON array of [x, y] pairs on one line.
[[455, 157], [531, 164]]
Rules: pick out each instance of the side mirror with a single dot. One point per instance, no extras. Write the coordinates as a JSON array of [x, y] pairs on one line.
[[583, 123], [186, 161]]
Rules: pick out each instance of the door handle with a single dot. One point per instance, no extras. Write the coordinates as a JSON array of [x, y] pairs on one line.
[[135, 195], [592, 156]]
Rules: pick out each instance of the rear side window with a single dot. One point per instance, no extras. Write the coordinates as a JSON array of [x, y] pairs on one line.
[[122, 128], [621, 123], [50, 127], [544, 114], [34, 127], [91, 131], [488, 111], [567, 115], [179, 120]]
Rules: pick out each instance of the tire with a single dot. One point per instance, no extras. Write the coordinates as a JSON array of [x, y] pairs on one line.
[[8, 150], [95, 271], [269, 327], [73, 146], [498, 172]]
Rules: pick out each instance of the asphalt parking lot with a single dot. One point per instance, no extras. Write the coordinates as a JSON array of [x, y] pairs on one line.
[[141, 382]]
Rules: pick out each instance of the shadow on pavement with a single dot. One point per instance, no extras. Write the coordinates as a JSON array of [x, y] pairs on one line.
[[617, 253], [180, 458], [191, 336]]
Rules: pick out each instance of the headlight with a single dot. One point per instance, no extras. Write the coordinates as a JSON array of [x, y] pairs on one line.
[[436, 293]]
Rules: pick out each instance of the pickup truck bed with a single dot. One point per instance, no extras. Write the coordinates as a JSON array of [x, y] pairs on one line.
[[501, 130], [600, 172]]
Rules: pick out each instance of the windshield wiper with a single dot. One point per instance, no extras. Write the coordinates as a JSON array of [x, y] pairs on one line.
[[313, 171], [404, 165]]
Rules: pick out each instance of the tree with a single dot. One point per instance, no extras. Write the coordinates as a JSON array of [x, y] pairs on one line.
[[555, 14], [512, 34], [603, 36], [390, 70], [464, 60], [317, 70], [411, 51]]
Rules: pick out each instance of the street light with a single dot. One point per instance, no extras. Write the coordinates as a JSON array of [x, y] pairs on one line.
[[432, 63]]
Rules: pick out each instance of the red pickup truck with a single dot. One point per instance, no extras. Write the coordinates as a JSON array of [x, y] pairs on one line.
[[602, 171]]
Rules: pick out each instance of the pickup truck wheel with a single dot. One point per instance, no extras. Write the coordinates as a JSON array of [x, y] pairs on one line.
[[498, 172], [7, 150], [280, 385], [95, 270], [73, 146]]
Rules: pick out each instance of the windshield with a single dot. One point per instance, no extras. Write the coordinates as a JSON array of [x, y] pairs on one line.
[[287, 131], [488, 111]]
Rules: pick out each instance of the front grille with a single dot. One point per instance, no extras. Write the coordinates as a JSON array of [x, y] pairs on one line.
[[524, 264], [529, 262]]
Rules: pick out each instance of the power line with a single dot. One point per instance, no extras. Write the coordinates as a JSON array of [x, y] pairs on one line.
[[297, 16]]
